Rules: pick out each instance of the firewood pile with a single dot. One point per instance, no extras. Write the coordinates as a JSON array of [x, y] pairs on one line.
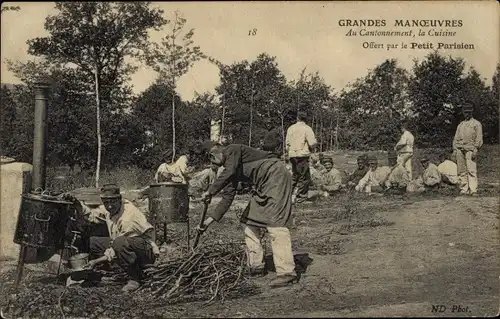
[[209, 273], [213, 272]]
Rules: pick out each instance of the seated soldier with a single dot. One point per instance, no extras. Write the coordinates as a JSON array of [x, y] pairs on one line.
[[317, 171], [431, 178], [332, 181], [173, 172], [354, 178], [448, 170], [202, 180], [374, 178], [131, 241], [398, 179]]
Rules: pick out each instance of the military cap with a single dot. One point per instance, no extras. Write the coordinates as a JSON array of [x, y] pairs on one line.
[[327, 159], [110, 191], [372, 159]]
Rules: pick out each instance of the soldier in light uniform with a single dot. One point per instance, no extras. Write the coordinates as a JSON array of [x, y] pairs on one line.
[[300, 140], [468, 139], [431, 178], [374, 178], [332, 181], [398, 180], [448, 170], [404, 147]]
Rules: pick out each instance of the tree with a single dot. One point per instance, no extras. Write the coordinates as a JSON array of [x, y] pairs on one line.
[[72, 138], [251, 92], [94, 38], [8, 110], [435, 89], [10, 8], [173, 58], [150, 114], [489, 110], [376, 104], [314, 97]]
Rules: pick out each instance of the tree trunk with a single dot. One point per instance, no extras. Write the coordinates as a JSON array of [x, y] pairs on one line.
[[251, 118], [321, 134], [337, 134], [331, 134], [98, 116], [173, 96], [173, 123], [222, 120], [283, 139]]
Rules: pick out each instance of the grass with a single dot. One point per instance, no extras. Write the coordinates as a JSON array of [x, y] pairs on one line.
[[125, 178], [134, 178]]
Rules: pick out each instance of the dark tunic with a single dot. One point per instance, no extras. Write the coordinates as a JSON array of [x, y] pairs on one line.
[[271, 199], [357, 175]]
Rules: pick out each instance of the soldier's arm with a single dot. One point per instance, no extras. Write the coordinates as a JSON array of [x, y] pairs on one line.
[[479, 135]]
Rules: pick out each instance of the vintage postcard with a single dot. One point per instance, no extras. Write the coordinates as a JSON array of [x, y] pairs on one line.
[[249, 159]]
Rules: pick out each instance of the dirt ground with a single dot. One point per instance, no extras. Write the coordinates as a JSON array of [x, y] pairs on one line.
[[373, 256]]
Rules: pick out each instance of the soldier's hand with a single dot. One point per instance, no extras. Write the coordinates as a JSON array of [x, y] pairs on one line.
[[206, 197], [474, 154]]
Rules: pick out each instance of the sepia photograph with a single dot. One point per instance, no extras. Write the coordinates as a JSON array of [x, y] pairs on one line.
[[210, 159]]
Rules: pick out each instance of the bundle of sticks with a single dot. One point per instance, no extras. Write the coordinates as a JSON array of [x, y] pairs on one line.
[[208, 273]]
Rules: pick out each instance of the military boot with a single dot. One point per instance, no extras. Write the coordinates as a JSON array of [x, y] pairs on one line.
[[284, 280]]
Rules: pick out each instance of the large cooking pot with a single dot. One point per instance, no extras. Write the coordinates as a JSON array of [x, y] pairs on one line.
[[42, 220], [168, 202], [76, 262]]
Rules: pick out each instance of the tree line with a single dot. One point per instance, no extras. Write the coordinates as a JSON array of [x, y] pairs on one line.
[[95, 119]]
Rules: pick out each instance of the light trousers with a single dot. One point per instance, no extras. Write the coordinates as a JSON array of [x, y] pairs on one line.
[[467, 172], [405, 160], [281, 244]]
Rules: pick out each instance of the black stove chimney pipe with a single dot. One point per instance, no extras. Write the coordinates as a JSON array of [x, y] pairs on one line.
[[40, 136]]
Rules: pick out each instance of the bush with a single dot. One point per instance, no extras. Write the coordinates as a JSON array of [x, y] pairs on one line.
[[64, 179]]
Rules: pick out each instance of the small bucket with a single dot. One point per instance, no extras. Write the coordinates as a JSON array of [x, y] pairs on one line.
[[77, 261]]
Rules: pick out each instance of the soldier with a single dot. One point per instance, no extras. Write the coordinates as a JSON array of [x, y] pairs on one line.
[[398, 180], [448, 170], [374, 178], [354, 178], [404, 147], [332, 182], [270, 205], [300, 140], [130, 241], [431, 177], [468, 139]]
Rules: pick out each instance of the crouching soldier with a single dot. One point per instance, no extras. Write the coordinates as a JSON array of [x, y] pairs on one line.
[[398, 180], [448, 170], [131, 241], [354, 178], [317, 172], [431, 178], [374, 179], [332, 182]]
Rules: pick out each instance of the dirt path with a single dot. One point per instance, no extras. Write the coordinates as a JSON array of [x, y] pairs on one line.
[[438, 252], [377, 256]]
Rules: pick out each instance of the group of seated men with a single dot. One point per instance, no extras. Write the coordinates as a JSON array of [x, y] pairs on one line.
[[370, 177]]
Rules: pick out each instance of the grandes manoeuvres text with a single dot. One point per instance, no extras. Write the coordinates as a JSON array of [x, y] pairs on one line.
[[416, 34]]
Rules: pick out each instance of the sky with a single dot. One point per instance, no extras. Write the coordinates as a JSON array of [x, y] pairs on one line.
[[299, 34]]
